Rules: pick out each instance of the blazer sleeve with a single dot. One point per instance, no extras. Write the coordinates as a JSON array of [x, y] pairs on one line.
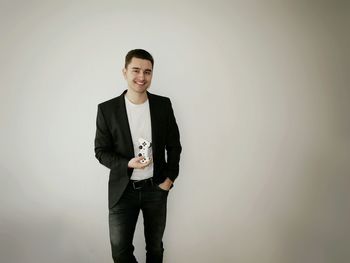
[[173, 146], [104, 146]]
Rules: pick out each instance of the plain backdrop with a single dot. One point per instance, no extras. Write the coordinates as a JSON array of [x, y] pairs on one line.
[[260, 91]]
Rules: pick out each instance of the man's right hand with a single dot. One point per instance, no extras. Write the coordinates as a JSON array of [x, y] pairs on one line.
[[136, 164]]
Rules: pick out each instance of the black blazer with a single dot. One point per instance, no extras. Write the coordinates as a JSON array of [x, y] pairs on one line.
[[114, 147]]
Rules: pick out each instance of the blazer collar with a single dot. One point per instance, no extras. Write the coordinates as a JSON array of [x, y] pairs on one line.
[[149, 95]]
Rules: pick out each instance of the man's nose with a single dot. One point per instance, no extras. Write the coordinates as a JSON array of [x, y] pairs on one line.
[[141, 75]]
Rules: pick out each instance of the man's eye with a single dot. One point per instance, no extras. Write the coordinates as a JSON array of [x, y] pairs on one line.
[[135, 70], [148, 73]]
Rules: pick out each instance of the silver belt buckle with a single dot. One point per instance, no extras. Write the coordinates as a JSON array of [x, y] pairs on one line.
[[135, 182], [133, 185]]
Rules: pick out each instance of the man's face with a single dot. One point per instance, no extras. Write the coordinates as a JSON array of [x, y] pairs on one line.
[[138, 74]]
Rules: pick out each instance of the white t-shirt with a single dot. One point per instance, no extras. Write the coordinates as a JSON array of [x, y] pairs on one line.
[[139, 117]]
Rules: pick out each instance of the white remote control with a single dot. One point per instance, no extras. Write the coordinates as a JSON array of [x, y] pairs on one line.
[[145, 150]]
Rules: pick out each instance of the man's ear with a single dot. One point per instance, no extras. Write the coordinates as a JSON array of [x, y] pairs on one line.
[[124, 72]]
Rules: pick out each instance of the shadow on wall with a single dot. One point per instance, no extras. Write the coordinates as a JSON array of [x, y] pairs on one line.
[[318, 231], [32, 231]]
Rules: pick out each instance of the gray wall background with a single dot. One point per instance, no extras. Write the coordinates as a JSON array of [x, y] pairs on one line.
[[261, 94]]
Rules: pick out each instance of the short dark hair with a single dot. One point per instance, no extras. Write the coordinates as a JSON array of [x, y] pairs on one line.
[[138, 53]]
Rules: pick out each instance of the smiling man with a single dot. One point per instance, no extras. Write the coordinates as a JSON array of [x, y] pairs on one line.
[[138, 139]]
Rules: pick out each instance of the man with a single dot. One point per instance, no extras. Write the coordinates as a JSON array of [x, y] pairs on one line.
[[135, 182]]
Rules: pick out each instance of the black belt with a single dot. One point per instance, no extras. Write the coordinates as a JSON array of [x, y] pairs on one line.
[[141, 183]]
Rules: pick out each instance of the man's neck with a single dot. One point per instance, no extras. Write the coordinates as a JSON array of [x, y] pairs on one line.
[[136, 98]]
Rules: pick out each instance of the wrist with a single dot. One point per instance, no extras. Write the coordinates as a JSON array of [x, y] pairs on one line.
[[168, 182]]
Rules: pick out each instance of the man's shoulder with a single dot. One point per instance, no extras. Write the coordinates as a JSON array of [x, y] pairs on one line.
[[110, 103], [159, 98]]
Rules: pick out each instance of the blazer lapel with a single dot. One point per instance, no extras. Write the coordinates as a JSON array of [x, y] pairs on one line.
[[124, 124], [153, 113]]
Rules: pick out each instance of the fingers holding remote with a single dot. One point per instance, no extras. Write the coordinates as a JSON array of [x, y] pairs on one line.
[[137, 164]]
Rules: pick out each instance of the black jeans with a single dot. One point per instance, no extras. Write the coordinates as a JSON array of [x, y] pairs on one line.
[[152, 201]]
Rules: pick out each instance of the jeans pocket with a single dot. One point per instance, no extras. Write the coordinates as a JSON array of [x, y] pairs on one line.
[[158, 187]]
